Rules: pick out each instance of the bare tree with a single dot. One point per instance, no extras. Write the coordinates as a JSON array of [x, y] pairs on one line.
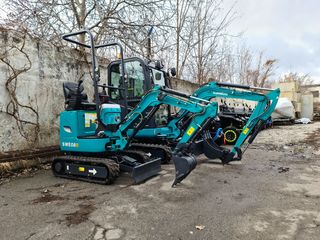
[[200, 26], [183, 9], [190, 30], [124, 20], [239, 66], [260, 75], [301, 79]]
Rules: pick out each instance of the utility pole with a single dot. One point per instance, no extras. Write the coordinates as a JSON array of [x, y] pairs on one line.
[[149, 50]]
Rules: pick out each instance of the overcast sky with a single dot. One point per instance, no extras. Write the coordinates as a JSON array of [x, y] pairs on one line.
[[288, 30]]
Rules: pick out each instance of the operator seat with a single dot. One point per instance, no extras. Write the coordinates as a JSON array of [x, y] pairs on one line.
[[75, 98]]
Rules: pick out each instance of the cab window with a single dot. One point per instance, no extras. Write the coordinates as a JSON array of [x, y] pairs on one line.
[[136, 80], [115, 81]]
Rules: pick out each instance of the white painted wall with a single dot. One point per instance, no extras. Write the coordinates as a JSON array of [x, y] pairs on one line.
[[40, 87]]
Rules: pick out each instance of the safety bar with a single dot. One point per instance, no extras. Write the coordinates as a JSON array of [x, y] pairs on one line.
[[95, 66], [111, 87], [243, 86], [67, 38]]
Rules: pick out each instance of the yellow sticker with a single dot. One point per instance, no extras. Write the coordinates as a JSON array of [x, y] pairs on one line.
[[81, 169], [245, 131], [190, 131], [89, 118]]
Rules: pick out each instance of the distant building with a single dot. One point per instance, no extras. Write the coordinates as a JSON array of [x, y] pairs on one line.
[[315, 90], [302, 97]]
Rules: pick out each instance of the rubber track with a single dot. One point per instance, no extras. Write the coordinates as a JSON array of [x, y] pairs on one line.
[[166, 150], [139, 155], [113, 168]]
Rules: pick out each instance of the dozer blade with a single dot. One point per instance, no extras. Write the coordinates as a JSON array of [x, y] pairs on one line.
[[146, 170], [140, 171], [183, 165]]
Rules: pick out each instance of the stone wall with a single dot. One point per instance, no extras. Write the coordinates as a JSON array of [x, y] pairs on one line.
[[31, 94], [315, 90], [183, 86]]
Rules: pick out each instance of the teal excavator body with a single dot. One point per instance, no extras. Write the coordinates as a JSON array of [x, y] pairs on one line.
[[79, 126], [79, 135]]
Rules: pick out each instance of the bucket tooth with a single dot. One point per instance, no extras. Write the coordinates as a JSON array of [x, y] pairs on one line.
[[184, 164]]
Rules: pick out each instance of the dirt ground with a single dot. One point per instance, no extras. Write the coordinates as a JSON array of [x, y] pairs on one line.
[[273, 193]]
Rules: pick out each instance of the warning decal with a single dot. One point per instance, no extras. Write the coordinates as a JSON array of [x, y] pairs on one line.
[[89, 118], [190, 131]]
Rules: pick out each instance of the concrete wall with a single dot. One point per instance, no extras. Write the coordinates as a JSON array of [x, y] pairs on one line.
[[183, 86], [40, 88], [315, 90]]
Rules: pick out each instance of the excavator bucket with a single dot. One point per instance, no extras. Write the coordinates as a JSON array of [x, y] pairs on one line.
[[184, 164]]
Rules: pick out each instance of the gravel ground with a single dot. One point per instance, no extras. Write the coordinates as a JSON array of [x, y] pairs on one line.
[[272, 194]]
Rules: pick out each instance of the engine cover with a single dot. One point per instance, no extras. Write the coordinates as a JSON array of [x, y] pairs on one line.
[[110, 114]]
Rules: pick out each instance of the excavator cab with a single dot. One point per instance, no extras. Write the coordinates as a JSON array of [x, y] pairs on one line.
[[141, 78], [137, 82]]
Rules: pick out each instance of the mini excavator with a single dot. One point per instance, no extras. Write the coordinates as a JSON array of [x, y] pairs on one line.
[[101, 139], [95, 140]]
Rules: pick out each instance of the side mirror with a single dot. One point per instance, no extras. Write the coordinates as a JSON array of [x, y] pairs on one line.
[[158, 65], [173, 72]]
